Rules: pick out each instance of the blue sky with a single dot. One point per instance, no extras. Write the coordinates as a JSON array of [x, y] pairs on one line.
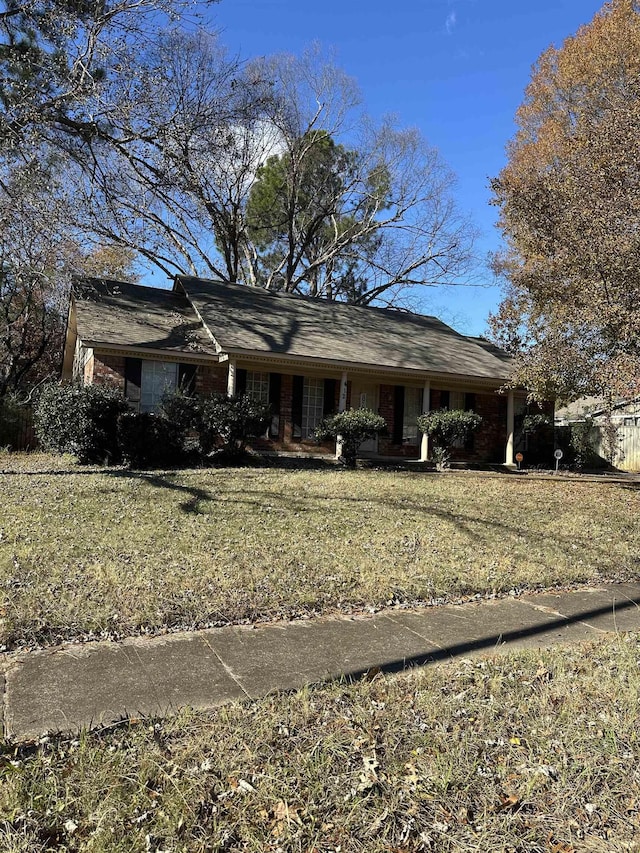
[[456, 69]]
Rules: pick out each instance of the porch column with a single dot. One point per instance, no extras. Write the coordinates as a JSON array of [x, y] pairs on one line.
[[342, 405], [510, 428], [231, 378], [342, 400], [424, 445]]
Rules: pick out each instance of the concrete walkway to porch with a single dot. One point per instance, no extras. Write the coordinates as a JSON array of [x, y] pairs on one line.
[[95, 684]]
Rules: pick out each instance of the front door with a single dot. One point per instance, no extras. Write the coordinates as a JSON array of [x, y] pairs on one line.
[[364, 395]]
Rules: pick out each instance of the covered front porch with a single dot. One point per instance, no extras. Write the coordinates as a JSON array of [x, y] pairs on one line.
[[300, 395]]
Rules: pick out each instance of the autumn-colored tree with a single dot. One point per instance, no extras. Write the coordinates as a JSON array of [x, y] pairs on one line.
[[569, 201]]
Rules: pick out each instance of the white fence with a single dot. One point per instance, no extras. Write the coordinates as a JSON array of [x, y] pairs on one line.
[[628, 456]]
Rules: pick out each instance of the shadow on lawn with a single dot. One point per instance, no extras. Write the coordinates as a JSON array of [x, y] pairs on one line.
[[477, 528], [158, 479]]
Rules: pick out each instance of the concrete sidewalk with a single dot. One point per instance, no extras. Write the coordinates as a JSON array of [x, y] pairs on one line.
[[73, 686]]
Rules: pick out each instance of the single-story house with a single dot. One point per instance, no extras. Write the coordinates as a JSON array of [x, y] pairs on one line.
[[305, 357]]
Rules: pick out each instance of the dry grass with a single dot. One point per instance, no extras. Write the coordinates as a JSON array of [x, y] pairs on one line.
[[110, 552], [531, 753]]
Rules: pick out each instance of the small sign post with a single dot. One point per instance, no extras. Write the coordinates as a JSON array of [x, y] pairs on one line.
[[558, 454], [519, 458]]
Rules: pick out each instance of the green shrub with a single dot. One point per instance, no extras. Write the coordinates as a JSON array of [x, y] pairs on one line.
[[354, 427], [446, 427], [227, 423], [183, 411], [81, 420], [582, 444], [147, 440], [535, 422]]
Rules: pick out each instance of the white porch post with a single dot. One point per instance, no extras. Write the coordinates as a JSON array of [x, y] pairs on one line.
[[231, 378], [342, 400], [510, 429], [424, 445], [342, 405]]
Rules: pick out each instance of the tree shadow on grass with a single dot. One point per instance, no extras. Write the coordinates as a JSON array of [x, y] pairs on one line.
[[165, 480], [157, 479]]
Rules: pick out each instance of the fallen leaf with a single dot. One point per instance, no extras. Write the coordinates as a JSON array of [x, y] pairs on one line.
[[510, 802]]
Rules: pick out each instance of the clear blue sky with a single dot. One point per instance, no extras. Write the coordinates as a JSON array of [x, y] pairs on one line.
[[456, 69]]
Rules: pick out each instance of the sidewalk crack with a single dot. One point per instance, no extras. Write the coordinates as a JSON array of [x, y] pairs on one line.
[[226, 667], [414, 632]]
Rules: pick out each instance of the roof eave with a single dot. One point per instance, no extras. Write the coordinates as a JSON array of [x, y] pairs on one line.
[[139, 351], [360, 367]]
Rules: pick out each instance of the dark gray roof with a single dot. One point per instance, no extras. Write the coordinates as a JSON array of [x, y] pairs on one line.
[[254, 320], [130, 315]]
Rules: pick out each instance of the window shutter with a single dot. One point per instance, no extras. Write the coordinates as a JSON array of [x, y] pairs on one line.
[[398, 413], [241, 381], [444, 399], [431, 399], [132, 379], [329, 400], [469, 402], [275, 384], [187, 378], [296, 406]]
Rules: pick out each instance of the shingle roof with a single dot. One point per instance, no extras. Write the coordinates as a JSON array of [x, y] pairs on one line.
[[254, 320], [130, 315]]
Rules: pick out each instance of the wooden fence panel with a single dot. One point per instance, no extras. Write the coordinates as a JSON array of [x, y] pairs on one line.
[[627, 457]]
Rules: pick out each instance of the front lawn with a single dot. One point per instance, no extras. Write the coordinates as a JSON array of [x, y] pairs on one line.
[[537, 752], [113, 552]]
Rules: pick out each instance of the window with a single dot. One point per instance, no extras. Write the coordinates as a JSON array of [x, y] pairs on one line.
[[456, 400], [412, 408], [258, 386], [157, 378], [312, 405]]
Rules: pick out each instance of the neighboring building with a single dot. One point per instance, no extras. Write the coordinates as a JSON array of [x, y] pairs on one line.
[[622, 415], [305, 357]]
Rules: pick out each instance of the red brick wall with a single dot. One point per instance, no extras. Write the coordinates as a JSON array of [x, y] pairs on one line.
[[211, 379], [386, 447], [490, 440], [108, 370]]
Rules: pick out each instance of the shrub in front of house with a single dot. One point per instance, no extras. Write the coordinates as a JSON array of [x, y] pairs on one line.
[[227, 423], [147, 440], [354, 426], [447, 427], [80, 420], [183, 411]]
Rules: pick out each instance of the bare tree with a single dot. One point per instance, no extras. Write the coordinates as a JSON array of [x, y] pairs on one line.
[[265, 173]]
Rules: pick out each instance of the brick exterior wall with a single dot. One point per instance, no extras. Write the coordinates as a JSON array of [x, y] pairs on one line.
[[488, 444], [108, 370], [211, 379], [490, 440], [386, 447]]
